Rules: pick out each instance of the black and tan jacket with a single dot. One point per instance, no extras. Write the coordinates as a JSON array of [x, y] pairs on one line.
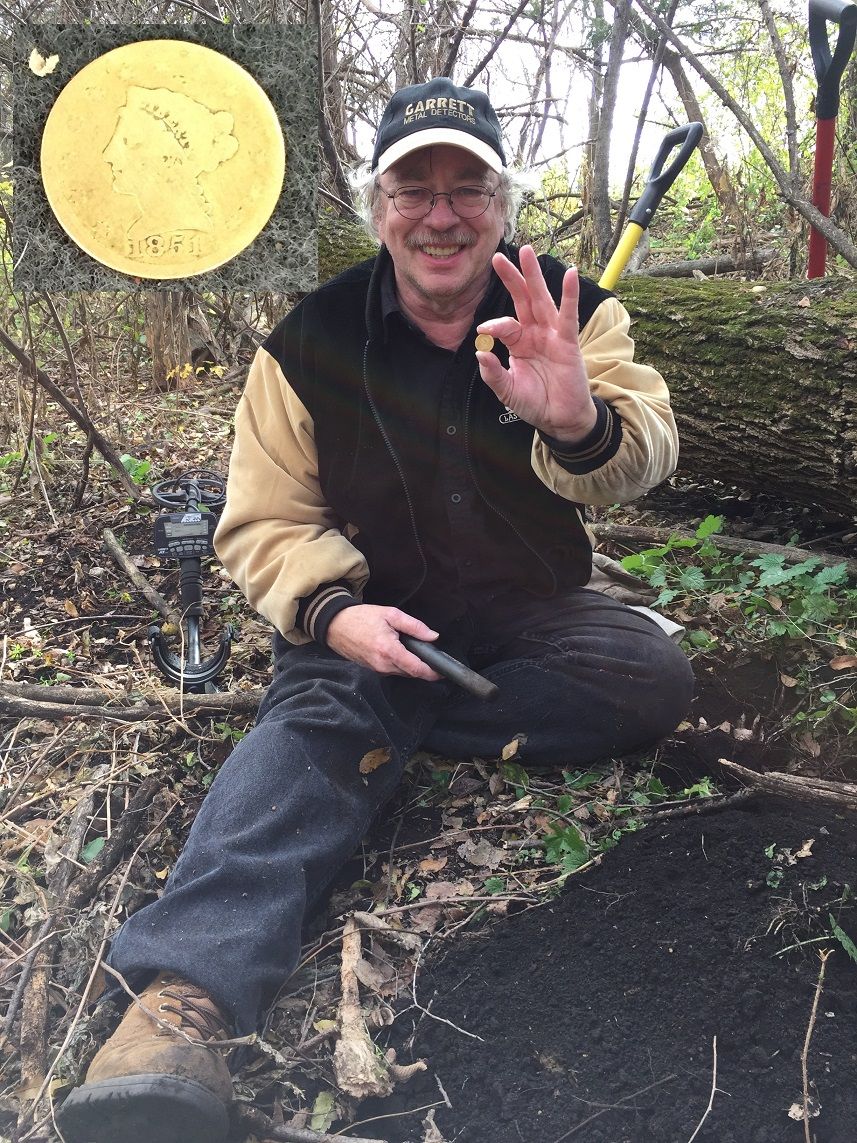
[[324, 481]]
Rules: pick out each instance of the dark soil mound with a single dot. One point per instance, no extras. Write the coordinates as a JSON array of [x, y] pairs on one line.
[[593, 1018]]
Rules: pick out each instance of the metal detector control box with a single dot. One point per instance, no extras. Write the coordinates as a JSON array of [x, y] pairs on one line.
[[184, 535]]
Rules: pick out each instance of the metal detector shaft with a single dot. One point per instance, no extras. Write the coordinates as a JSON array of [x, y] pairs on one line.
[[450, 668], [660, 180]]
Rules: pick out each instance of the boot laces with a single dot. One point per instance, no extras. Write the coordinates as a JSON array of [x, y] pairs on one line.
[[195, 1011]]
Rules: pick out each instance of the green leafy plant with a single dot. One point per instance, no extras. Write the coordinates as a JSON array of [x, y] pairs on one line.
[[138, 470], [566, 846], [800, 614]]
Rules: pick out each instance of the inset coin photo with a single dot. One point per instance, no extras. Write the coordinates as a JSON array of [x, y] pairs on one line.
[[163, 159]]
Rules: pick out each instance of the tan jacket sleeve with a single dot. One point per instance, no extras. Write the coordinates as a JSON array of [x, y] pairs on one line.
[[648, 452], [277, 537]]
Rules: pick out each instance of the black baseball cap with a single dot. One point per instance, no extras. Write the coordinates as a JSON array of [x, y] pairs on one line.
[[427, 114]]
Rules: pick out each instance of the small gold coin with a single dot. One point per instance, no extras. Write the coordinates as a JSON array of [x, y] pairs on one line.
[[484, 342], [162, 159]]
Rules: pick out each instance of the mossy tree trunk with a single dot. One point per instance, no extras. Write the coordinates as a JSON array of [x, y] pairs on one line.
[[764, 385]]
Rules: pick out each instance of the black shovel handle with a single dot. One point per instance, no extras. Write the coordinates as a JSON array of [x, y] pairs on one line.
[[660, 180], [450, 668], [828, 65]]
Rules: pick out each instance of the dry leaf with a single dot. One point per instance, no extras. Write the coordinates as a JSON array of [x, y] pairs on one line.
[[813, 1108], [426, 920], [843, 662], [804, 302], [70, 608], [374, 759], [496, 783], [806, 849], [41, 66], [788, 681], [440, 890], [431, 1132], [481, 853], [373, 976], [433, 864], [509, 750], [809, 744]]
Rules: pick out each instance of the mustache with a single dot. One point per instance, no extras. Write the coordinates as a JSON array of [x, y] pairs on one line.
[[433, 238]]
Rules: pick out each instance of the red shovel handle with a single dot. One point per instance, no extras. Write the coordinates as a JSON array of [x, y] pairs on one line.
[[829, 67]]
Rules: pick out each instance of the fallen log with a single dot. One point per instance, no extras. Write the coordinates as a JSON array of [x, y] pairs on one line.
[[842, 794], [762, 382], [29, 700], [719, 264]]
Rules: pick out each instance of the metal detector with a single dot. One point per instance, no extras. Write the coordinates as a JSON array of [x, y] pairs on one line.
[[829, 67], [186, 534]]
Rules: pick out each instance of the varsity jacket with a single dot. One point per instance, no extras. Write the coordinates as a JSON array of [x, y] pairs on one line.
[[324, 480]]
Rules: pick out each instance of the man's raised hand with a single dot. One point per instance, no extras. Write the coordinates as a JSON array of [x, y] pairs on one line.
[[546, 382], [369, 635]]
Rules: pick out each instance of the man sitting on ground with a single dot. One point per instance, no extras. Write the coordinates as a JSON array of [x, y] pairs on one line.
[[388, 478]]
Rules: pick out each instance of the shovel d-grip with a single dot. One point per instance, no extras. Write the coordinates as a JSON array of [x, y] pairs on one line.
[[829, 67], [186, 535], [661, 178]]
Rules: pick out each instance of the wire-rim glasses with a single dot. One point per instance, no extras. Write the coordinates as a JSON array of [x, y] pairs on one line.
[[417, 202]]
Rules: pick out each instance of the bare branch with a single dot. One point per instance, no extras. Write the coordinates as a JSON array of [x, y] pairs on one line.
[[836, 237]]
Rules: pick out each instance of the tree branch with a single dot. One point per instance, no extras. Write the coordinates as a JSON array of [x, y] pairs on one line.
[[79, 417], [836, 237]]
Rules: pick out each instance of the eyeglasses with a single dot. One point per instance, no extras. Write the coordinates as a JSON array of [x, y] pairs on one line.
[[417, 202]]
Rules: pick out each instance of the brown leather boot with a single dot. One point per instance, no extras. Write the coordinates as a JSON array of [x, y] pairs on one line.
[[157, 1083]]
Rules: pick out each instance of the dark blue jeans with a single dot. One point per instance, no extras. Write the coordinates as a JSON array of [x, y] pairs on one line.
[[583, 677]]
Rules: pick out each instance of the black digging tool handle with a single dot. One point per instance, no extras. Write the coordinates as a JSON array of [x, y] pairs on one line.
[[828, 65], [660, 180], [450, 668]]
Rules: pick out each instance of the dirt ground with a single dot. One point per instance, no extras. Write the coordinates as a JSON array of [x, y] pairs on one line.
[[595, 1017], [547, 1003]]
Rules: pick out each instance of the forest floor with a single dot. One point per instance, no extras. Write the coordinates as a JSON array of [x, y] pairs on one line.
[[646, 949]]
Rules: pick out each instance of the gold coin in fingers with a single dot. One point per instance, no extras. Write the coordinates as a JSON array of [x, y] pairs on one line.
[[484, 342]]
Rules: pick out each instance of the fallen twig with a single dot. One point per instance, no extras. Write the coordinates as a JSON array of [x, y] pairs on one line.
[[625, 1099], [702, 806], [255, 1122], [427, 1011], [359, 1069], [113, 910], [85, 884], [35, 1006], [707, 1111], [792, 785], [139, 581], [29, 700], [804, 1056]]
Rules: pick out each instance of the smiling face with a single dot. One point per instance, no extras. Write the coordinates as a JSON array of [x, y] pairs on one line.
[[442, 262]]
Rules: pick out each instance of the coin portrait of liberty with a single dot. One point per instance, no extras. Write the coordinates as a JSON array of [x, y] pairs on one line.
[[162, 143]]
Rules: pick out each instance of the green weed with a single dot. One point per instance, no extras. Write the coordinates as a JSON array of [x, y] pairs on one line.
[[799, 614]]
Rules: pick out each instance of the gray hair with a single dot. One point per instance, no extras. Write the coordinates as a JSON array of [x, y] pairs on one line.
[[366, 185]]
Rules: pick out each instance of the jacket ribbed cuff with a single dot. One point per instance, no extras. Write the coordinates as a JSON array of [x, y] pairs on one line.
[[596, 448], [316, 611]]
